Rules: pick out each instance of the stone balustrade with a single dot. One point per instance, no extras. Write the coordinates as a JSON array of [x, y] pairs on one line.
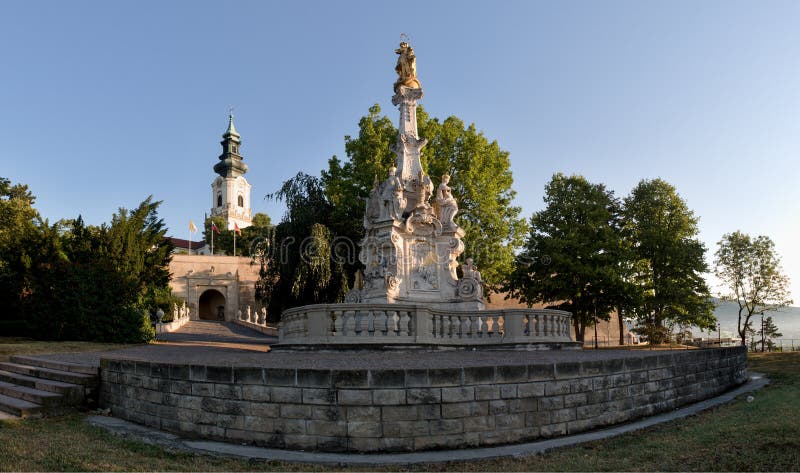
[[409, 324]]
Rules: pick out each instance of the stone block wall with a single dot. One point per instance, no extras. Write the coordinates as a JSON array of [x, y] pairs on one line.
[[412, 409]]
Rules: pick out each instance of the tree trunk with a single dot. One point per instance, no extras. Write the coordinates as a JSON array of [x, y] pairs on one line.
[[621, 328], [578, 333]]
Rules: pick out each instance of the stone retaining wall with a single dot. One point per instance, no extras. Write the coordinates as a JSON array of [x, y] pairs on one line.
[[412, 409]]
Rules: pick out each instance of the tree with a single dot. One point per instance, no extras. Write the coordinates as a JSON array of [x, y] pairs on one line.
[[481, 182], [300, 266], [670, 260], [751, 271], [764, 336], [19, 225], [223, 242], [574, 253]]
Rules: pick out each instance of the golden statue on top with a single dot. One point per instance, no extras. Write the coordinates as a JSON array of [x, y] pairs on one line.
[[406, 67]]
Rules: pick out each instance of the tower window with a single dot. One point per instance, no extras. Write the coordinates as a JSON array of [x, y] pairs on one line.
[[241, 201], [219, 200]]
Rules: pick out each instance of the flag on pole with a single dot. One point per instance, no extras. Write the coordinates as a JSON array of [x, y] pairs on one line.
[[192, 227], [214, 228], [235, 231]]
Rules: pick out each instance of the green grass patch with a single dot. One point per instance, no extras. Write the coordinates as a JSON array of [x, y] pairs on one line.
[[763, 435]]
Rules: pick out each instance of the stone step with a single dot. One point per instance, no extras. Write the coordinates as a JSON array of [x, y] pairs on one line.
[[56, 364], [51, 374], [19, 407], [73, 393], [36, 396]]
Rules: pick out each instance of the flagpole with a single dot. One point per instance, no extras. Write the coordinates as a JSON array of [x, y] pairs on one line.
[[234, 243], [212, 239]]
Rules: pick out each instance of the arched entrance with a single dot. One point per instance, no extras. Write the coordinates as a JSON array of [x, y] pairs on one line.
[[212, 305]]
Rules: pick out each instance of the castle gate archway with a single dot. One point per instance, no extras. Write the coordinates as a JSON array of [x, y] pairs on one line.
[[212, 305]]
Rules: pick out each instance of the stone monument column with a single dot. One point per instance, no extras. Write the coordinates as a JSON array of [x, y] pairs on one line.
[[408, 144], [410, 247]]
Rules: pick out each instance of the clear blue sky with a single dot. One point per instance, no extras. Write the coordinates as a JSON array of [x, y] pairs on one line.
[[104, 103]]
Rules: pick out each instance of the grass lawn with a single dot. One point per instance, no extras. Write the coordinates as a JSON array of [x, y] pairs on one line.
[[760, 436]]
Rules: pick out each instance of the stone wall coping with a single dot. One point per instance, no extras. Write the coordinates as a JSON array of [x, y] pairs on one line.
[[438, 376]]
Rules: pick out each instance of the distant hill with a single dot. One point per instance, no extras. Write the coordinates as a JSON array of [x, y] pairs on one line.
[[787, 319]]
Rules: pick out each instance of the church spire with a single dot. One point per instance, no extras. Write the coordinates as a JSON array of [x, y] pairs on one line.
[[230, 164], [231, 129]]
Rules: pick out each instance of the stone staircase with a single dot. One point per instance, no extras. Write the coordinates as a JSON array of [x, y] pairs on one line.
[[36, 387]]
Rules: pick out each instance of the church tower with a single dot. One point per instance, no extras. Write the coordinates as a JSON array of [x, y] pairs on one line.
[[230, 190]]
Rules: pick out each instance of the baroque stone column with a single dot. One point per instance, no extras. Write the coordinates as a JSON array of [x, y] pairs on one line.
[[410, 254]]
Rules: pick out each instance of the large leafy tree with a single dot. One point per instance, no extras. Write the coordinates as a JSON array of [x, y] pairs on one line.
[[72, 281], [751, 271], [572, 259], [481, 182], [100, 283], [19, 225], [670, 274]]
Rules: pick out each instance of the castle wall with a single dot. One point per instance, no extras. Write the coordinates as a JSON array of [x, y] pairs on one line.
[[233, 276]]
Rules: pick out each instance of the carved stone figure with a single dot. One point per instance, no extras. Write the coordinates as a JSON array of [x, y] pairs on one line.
[[446, 206], [239, 314], [406, 67], [373, 212], [393, 200], [262, 318], [470, 270], [249, 315], [358, 283], [424, 190]]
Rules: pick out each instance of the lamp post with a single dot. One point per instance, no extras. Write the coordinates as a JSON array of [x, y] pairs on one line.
[[594, 303], [719, 335], [763, 342]]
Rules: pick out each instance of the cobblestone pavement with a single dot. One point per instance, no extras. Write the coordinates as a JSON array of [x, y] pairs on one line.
[[224, 344]]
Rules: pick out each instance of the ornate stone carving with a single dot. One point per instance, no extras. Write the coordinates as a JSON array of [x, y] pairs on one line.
[[470, 271], [394, 202], [470, 287], [410, 248], [406, 67], [446, 206]]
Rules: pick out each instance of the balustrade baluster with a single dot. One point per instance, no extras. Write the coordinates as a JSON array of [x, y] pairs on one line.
[[338, 323], [380, 323], [544, 325], [491, 325], [481, 320], [468, 327], [349, 323], [393, 318], [446, 326], [333, 316], [370, 323], [404, 321]]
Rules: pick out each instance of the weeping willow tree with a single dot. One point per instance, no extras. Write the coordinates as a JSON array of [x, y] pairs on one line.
[[299, 263]]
